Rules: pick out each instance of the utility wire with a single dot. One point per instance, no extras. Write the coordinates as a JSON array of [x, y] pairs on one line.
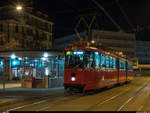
[[124, 14], [107, 14]]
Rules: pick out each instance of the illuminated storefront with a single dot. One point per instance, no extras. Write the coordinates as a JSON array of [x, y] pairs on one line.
[[53, 68], [41, 64]]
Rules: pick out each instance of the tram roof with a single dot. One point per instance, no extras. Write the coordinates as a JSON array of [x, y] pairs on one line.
[[110, 52]]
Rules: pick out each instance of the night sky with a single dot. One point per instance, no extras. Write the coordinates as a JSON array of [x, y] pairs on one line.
[[65, 14]]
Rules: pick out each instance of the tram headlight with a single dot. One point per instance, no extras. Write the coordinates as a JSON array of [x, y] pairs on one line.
[[73, 78]]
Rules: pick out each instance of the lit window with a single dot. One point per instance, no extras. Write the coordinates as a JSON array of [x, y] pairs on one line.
[[97, 59], [102, 60]]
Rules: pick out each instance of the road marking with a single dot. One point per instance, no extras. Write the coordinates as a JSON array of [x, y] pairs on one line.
[[140, 108], [125, 103], [34, 103], [56, 103], [115, 97], [106, 100], [137, 91]]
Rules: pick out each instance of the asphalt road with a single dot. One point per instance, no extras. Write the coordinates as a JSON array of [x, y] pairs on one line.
[[133, 96]]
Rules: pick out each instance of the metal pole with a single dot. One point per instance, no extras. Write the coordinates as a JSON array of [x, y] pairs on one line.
[[3, 83]]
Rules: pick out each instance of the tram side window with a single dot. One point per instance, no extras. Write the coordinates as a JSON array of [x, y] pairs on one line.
[[107, 61], [129, 66], [89, 60], [124, 65], [114, 63], [121, 65], [97, 59], [103, 60], [111, 62]]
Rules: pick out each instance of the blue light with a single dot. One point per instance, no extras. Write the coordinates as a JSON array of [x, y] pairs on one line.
[[1, 63], [15, 62], [32, 65], [78, 52], [36, 60], [96, 53], [13, 56], [45, 55]]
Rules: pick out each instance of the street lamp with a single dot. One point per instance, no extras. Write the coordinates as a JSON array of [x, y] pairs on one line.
[[19, 8], [45, 55], [92, 41]]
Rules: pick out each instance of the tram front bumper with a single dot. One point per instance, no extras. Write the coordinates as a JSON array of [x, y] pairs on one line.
[[74, 85]]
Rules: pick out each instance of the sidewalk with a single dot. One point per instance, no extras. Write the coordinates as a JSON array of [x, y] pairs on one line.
[[10, 84], [14, 90], [19, 92], [12, 81]]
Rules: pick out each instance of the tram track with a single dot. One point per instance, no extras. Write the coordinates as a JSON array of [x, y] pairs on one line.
[[115, 96], [76, 97], [61, 102], [132, 97], [46, 103], [44, 100], [64, 101], [34, 101]]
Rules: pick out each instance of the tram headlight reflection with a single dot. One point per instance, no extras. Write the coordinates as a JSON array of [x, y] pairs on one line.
[[73, 78]]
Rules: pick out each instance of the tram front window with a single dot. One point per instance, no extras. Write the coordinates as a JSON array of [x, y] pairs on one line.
[[74, 59]]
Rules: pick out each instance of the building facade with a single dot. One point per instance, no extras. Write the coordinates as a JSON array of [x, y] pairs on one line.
[[24, 30], [143, 55], [121, 42], [25, 36]]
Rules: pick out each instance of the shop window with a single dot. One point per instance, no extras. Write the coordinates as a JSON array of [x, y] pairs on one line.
[[30, 32]]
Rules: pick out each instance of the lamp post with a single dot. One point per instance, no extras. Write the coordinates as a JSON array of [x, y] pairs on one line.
[[19, 8]]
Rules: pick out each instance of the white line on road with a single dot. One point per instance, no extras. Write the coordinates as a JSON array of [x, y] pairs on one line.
[[106, 100], [45, 108], [125, 103], [115, 97], [33, 103], [145, 84]]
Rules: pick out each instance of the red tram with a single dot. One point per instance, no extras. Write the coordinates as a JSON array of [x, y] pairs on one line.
[[90, 68]]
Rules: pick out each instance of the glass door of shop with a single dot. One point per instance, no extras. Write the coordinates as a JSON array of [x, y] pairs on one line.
[[17, 73]]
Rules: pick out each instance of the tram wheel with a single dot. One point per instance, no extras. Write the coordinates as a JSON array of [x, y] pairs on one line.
[[84, 92], [68, 92]]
